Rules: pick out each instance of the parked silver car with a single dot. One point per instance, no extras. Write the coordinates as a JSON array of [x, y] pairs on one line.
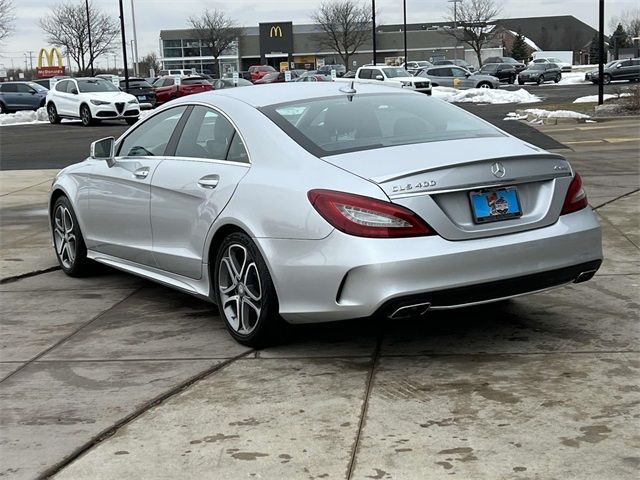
[[319, 202], [457, 77]]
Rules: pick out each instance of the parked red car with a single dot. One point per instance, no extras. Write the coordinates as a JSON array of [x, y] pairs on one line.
[[275, 77], [166, 88], [259, 71]]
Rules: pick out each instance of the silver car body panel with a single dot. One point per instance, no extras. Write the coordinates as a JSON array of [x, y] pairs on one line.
[[320, 273]]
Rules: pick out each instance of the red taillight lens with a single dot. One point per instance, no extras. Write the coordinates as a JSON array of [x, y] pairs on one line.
[[367, 217], [576, 196]]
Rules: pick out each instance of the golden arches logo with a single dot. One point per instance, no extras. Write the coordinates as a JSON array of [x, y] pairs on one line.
[[48, 54], [275, 31]]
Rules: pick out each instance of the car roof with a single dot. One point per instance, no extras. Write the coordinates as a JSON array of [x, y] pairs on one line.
[[293, 92]]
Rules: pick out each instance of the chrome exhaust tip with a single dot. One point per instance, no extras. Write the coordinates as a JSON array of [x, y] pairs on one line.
[[584, 276], [413, 310]]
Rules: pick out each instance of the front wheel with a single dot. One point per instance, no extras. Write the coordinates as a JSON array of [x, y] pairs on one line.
[[607, 79], [540, 79], [512, 80], [85, 116], [485, 85], [52, 113], [245, 294], [70, 248], [557, 79]]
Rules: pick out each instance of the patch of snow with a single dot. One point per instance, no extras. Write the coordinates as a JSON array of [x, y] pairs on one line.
[[484, 95], [594, 98], [24, 117], [528, 41], [569, 78]]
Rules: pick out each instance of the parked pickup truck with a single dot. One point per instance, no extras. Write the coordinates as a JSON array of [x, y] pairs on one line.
[[392, 76]]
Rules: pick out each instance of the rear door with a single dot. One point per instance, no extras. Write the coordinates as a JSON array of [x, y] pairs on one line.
[[119, 222], [165, 90], [192, 186], [10, 96]]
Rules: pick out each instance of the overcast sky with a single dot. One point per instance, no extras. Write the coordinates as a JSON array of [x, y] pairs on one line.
[[155, 15]]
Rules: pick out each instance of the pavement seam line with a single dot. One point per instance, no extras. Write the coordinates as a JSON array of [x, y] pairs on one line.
[[615, 227], [158, 400], [15, 278], [618, 198], [27, 188], [365, 407], [71, 335]]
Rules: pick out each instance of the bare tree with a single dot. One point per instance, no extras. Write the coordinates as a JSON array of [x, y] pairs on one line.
[[216, 31], [346, 25], [630, 21], [6, 18], [148, 62], [66, 27], [473, 17]]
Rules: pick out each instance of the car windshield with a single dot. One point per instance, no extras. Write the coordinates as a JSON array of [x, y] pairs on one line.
[[335, 125], [422, 64], [537, 66], [37, 87], [86, 85], [395, 72]]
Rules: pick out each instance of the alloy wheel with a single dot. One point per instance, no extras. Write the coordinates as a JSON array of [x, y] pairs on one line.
[[64, 236], [85, 115], [240, 289], [51, 111], [485, 85]]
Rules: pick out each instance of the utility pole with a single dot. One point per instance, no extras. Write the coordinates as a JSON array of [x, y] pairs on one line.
[[601, 60], [136, 69], [455, 25], [86, 4], [373, 17], [30, 52], [404, 11], [124, 49]]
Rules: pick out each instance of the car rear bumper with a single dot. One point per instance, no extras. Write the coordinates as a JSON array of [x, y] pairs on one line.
[[343, 276]]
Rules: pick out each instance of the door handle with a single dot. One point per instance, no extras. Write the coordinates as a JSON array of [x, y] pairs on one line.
[[210, 181], [142, 172]]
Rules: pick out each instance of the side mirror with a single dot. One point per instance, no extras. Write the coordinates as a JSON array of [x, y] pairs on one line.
[[619, 65], [467, 74], [379, 77], [104, 149], [74, 91]]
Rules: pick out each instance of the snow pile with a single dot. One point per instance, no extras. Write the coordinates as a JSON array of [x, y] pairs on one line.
[[528, 41], [541, 113], [571, 78], [484, 95], [540, 116], [594, 98], [24, 116]]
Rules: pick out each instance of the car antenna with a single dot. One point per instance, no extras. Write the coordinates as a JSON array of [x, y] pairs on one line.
[[350, 91]]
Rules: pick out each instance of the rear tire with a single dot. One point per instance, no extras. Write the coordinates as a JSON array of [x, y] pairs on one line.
[[85, 116], [558, 78], [606, 79], [52, 113], [540, 79], [512, 80], [68, 241], [245, 294], [485, 85]]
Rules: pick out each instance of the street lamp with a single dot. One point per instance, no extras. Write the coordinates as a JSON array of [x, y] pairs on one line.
[[373, 18], [455, 25], [404, 23], [86, 4]]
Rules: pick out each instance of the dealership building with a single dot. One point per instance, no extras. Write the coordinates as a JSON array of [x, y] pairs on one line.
[[300, 46]]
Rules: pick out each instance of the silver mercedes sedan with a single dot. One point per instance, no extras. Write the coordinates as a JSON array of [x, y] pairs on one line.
[[315, 202]]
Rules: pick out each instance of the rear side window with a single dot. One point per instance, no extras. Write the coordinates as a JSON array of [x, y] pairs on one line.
[[151, 138], [194, 81], [365, 73], [10, 88], [335, 125], [62, 86], [168, 82]]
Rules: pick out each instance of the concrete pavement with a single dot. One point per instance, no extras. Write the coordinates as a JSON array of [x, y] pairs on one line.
[[94, 373]]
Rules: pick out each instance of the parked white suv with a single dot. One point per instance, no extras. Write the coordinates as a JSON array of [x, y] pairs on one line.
[[393, 76], [90, 100]]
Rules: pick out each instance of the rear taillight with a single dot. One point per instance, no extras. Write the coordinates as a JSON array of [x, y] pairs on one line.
[[367, 217], [576, 196]]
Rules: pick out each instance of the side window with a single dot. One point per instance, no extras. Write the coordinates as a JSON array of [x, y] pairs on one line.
[[151, 138], [458, 72], [62, 86], [167, 82], [22, 88], [11, 88], [626, 63], [364, 73], [375, 73], [237, 152], [207, 134], [70, 86]]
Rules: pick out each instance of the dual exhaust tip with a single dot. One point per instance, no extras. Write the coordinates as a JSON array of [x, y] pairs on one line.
[[409, 311]]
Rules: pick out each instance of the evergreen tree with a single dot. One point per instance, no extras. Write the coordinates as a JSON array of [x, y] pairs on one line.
[[594, 50], [619, 39], [519, 49]]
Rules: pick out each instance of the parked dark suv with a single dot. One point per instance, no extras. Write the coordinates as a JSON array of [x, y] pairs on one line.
[[540, 73], [503, 71], [21, 96], [142, 90], [628, 69]]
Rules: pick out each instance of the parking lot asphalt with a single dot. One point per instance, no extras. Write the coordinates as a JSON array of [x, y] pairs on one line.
[[115, 377]]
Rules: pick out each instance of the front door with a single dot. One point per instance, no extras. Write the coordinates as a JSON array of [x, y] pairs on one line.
[[191, 187], [119, 220]]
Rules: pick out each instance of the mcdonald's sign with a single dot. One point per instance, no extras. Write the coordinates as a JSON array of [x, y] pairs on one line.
[[276, 38], [275, 31], [49, 70]]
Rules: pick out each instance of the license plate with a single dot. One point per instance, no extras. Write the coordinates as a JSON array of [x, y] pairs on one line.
[[495, 205], [141, 97]]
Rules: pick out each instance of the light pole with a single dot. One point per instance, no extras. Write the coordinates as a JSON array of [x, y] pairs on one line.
[[373, 17], [455, 25], [124, 49], [404, 23], [601, 59], [86, 4], [135, 41]]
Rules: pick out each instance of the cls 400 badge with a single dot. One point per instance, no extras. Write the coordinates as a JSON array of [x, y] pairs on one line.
[[415, 186]]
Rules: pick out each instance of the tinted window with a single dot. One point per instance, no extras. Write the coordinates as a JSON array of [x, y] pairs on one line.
[[237, 152], [635, 62], [168, 82], [24, 88], [336, 125], [10, 88], [207, 134], [62, 86], [364, 73], [135, 83], [458, 72], [151, 137], [441, 72], [96, 85], [37, 87], [396, 72], [195, 81], [489, 68]]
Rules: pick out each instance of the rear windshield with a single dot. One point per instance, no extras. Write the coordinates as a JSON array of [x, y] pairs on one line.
[[335, 125], [96, 85], [194, 81], [135, 83]]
